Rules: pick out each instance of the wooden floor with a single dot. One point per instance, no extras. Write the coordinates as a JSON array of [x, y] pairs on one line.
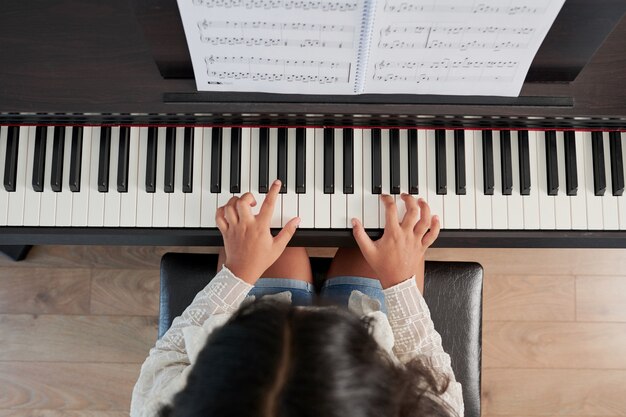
[[77, 322]]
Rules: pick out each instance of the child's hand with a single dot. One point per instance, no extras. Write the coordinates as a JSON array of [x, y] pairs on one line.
[[397, 255], [249, 245]]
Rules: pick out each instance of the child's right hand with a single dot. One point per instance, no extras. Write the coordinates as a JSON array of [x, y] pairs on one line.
[[397, 255]]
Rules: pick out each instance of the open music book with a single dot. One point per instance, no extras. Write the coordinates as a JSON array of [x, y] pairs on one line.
[[455, 47]]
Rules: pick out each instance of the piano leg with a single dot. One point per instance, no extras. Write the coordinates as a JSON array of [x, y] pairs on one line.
[[17, 253]]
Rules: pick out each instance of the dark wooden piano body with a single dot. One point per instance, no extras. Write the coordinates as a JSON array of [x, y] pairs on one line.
[[88, 61]]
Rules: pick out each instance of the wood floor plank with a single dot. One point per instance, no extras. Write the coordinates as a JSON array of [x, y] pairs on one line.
[[44, 290], [125, 291], [519, 297], [601, 298], [61, 413], [76, 338], [518, 344], [67, 386], [547, 392], [538, 261]]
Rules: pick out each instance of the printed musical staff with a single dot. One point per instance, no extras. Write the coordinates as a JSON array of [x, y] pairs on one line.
[[225, 69], [325, 6], [414, 6]]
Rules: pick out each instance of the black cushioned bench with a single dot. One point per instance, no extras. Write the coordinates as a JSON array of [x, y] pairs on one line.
[[453, 292]]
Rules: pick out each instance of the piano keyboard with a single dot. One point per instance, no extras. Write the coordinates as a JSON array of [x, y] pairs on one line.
[[166, 177]]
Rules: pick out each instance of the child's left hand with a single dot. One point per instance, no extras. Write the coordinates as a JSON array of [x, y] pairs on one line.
[[249, 245]]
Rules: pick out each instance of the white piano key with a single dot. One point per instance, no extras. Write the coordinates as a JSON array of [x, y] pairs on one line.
[[435, 201], [65, 196], [160, 199], [610, 212], [31, 198], [225, 194], [467, 202], [546, 202], [483, 202], [338, 202], [621, 201], [193, 200], [144, 199], [254, 170], [80, 200], [531, 202], [578, 202], [422, 165], [245, 161], [355, 201], [273, 175], [290, 199], [96, 199], [306, 201], [385, 174], [594, 203], [128, 200], [322, 201], [4, 194], [370, 201], [515, 207], [15, 215], [404, 173], [112, 198], [209, 199], [562, 205], [498, 200], [176, 210], [451, 203], [48, 202]]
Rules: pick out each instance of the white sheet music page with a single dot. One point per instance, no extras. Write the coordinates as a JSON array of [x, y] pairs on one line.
[[278, 46], [455, 47]]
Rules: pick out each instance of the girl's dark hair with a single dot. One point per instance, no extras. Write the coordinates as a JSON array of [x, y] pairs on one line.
[[275, 360]]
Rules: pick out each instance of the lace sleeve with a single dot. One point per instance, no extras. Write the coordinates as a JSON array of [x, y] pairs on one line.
[[164, 371], [414, 335]]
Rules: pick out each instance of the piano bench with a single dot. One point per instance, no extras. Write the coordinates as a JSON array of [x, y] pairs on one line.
[[453, 292]]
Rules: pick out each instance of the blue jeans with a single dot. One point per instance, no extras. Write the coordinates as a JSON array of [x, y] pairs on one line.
[[335, 290]]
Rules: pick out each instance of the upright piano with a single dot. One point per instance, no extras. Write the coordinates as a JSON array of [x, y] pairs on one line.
[[104, 140]]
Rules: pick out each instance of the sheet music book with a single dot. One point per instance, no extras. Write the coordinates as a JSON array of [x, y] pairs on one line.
[[454, 47]]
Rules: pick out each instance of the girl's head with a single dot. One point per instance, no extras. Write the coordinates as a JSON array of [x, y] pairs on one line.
[[272, 359]]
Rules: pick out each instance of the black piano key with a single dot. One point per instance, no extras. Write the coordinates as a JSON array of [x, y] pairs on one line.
[[188, 160], [488, 176], [39, 163], [170, 159], [329, 161], [597, 151], [394, 161], [506, 163], [216, 160], [348, 161], [58, 146], [282, 159], [76, 158], [617, 164], [552, 163], [235, 160], [300, 160], [377, 177], [104, 159], [459, 161], [10, 162], [571, 172], [264, 159], [151, 160], [440, 161], [413, 157], [122, 160], [524, 162]]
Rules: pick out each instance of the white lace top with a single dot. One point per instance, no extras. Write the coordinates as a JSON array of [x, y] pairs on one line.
[[405, 332]]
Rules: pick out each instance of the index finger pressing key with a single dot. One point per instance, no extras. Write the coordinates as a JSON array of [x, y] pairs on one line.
[[244, 205], [267, 208]]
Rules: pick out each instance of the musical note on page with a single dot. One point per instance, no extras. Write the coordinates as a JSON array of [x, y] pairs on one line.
[[458, 47]]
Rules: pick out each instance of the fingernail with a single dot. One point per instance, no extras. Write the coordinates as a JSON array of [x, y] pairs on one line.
[[353, 222], [420, 200], [298, 222], [276, 182]]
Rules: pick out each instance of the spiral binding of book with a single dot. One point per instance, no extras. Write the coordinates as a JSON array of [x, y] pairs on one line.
[[367, 25]]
